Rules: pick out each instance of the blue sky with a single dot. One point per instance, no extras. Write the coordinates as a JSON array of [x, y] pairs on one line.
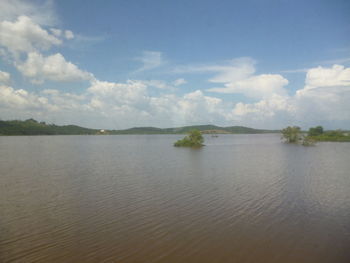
[[119, 64]]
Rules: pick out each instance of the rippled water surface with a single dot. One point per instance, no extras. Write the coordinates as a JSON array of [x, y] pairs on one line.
[[241, 198]]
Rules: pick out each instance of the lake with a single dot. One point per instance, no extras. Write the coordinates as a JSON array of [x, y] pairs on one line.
[[131, 198]]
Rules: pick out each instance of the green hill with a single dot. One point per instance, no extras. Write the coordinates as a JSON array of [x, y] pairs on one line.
[[139, 130], [33, 127], [243, 130], [210, 129]]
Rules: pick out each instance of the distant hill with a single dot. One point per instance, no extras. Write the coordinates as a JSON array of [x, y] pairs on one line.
[[242, 129], [139, 130], [33, 127], [210, 129]]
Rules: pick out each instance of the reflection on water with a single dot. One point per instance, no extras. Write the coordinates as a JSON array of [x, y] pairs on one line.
[[241, 198]]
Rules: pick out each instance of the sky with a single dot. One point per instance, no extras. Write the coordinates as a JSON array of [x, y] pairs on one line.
[[118, 64]]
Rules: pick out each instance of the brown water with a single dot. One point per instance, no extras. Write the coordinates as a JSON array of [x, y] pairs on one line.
[[241, 198]]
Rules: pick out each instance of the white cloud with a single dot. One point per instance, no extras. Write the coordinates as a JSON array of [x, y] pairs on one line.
[[233, 70], [238, 77], [150, 60], [64, 101], [238, 69], [195, 107], [57, 32], [111, 105], [326, 95], [39, 68], [264, 108], [164, 85], [4, 77], [68, 34], [41, 12], [179, 82], [260, 86], [335, 76], [134, 106], [129, 93], [20, 99], [24, 35], [49, 105], [159, 84], [324, 100]]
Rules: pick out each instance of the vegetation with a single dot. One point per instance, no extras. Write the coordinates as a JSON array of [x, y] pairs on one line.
[[193, 139], [315, 134], [308, 141], [315, 131], [33, 127], [318, 134], [292, 134]]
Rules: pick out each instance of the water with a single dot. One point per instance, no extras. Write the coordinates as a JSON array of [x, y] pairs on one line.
[[241, 198]]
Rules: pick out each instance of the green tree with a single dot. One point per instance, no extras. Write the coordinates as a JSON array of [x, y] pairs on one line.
[[315, 131], [291, 134], [193, 139]]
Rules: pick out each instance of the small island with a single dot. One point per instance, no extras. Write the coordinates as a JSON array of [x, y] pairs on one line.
[[293, 134], [193, 139]]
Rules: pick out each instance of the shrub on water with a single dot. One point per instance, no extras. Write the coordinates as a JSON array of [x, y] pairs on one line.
[[193, 139]]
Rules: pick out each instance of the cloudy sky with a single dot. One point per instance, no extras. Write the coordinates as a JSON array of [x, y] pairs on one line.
[[120, 64]]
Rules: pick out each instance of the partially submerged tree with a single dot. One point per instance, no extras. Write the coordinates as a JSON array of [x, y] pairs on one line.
[[193, 139], [308, 141], [292, 134]]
